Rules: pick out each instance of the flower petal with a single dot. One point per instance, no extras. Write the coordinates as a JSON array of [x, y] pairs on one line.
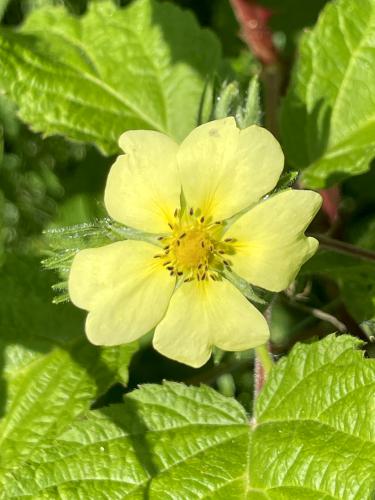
[[224, 170], [143, 187], [125, 289], [271, 246], [203, 314]]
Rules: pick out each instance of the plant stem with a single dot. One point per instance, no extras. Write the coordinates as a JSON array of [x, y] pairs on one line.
[[272, 80], [262, 367], [264, 358], [320, 314], [344, 248]]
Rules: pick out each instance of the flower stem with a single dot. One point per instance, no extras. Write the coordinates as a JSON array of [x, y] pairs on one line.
[[344, 248], [264, 358], [262, 367]]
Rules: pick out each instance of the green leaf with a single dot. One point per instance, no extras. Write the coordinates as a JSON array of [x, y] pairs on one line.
[[168, 432], [91, 78], [328, 117], [312, 438], [50, 373]]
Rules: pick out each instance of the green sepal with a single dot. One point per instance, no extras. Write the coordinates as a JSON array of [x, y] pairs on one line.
[[63, 244]]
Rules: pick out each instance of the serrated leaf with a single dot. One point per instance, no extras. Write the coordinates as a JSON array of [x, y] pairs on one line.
[[50, 374], [328, 117], [313, 434], [313, 439], [167, 432], [91, 78]]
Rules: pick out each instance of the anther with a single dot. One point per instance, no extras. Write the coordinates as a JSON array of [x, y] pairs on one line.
[[221, 252], [202, 244], [202, 219], [180, 273], [175, 213], [170, 225], [160, 238], [157, 256], [191, 211], [203, 276], [227, 240], [178, 243], [167, 263], [170, 268], [182, 236]]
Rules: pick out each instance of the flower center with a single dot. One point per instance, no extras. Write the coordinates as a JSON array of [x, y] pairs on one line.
[[194, 249]]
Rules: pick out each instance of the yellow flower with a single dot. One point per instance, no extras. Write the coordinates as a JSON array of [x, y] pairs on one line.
[[186, 193]]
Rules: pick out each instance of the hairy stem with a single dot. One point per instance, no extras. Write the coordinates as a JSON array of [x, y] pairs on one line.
[[264, 357], [344, 248], [262, 367]]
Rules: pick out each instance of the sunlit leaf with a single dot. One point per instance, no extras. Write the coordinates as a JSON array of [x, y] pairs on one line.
[[91, 78], [328, 118], [311, 438], [50, 374]]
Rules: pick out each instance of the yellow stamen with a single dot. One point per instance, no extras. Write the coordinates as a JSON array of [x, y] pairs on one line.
[[194, 249]]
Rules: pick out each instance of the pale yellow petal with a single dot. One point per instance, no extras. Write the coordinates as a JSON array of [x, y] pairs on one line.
[[271, 245], [143, 187], [224, 170], [126, 290], [203, 314]]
